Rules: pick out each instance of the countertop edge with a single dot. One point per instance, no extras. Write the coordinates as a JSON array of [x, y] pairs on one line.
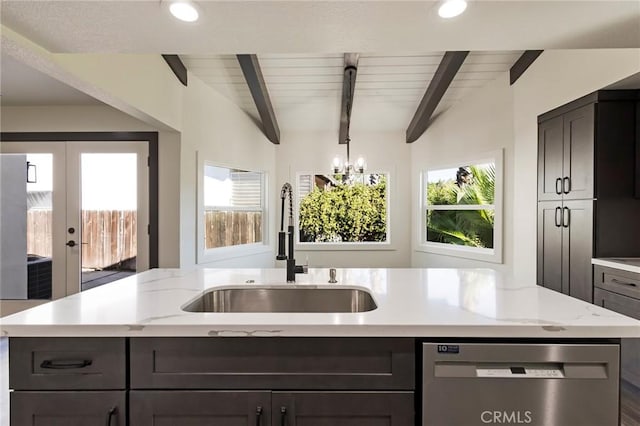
[[444, 331], [616, 265]]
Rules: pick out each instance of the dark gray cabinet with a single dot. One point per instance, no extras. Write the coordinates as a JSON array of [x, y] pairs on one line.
[[272, 381], [68, 381], [202, 381], [342, 408], [565, 244], [619, 291], [68, 408], [586, 184], [272, 363], [263, 408], [200, 408], [565, 155]]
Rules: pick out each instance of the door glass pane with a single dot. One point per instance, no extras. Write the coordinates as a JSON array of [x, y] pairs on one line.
[[108, 217], [39, 225], [26, 226]]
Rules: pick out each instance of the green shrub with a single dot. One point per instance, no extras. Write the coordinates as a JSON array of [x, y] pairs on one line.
[[347, 212]]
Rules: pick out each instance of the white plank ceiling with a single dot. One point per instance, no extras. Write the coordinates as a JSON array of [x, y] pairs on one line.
[[389, 87]]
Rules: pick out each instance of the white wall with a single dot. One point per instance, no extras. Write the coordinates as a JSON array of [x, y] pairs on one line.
[[474, 126], [500, 115], [555, 78], [218, 131], [88, 118], [313, 151]]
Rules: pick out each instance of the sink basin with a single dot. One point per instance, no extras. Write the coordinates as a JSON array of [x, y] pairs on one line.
[[282, 299]]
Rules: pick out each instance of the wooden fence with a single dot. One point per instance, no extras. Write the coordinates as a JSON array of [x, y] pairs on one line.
[[230, 228], [110, 235]]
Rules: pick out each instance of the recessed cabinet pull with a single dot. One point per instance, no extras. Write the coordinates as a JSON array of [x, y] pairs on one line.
[[566, 219], [617, 281], [258, 416], [559, 186], [558, 218], [283, 416], [110, 415], [65, 364], [566, 184]]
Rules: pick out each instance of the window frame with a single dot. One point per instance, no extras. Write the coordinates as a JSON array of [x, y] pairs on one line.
[[493, 255], [343, 246], [205, 255]]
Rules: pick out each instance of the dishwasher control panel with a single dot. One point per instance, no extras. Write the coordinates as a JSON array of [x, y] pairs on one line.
[[520, 371]]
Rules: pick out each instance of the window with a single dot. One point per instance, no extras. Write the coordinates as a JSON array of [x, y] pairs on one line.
[[232, 209], [461, 214], [340, 209]]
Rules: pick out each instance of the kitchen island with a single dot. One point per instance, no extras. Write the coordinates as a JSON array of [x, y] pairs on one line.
[[411, 303], [134, 346]]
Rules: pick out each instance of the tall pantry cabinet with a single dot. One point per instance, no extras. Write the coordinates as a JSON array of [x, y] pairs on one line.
[[586, 187]]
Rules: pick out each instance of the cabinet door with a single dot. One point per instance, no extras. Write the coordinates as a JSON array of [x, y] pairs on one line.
[[68, 408], [343, 409], [549, 262], [577, 248], [199, 408], [550, 152], [578, 155]]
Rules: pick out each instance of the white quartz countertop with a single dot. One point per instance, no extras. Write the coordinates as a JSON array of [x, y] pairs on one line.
[[411, 302], [630, 264]]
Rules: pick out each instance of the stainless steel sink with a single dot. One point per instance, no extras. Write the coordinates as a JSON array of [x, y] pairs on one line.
[[282, 299]]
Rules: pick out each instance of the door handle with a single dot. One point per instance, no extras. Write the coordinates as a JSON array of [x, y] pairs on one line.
[[72, 243], [559, 186], [283, 416], [65, 365], [258, 415], [558, 217], [566, 223], [110, 415], [617, 281], [566, 188]]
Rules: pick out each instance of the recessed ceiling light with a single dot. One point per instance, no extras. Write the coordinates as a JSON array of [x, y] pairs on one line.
[[184, 11], [452, 8]]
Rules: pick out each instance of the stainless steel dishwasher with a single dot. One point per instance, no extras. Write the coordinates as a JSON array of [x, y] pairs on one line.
[[468, 384]]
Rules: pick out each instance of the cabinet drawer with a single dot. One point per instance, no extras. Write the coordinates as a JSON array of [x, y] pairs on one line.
[[273, 363], [67, 408], [67, 363], [617, 281], [199, 408], [617, 302]]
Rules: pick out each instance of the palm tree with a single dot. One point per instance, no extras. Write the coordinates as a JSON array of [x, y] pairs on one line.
[[464, 227]]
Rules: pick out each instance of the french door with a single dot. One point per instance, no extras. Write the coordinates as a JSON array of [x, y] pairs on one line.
[[76, 214]]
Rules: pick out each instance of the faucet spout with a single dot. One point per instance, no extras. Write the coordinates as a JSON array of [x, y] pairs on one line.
[[292, 269]]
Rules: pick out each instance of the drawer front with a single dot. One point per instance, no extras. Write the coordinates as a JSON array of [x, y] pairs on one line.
[[67, 363], [617, 281], [85, 408], [616, 302], [273, 363]]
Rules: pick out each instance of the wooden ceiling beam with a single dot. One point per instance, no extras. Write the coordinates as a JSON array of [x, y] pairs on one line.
[[447, 70], [258, 88], [521, 65], [177, 67], [348, 89]]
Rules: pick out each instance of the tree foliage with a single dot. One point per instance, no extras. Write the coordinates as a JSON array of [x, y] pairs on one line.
[[463, 227], [347, 212]]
